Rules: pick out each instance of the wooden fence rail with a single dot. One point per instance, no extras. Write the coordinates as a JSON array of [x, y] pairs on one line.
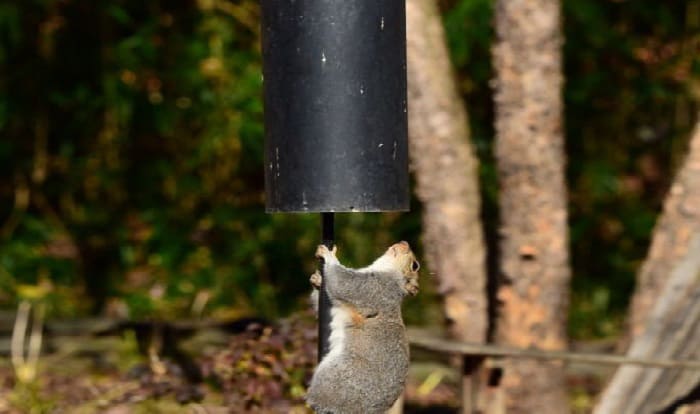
[[479, 387], [488, 350]]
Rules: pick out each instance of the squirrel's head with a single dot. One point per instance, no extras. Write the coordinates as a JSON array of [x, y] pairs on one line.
[[405, 261]]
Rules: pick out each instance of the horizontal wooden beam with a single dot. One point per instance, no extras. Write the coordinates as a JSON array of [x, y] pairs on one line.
[[490, 350]]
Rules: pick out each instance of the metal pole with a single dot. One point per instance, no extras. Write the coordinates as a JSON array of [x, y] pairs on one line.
[[324, 302]]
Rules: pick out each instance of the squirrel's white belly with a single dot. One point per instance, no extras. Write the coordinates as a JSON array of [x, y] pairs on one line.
[[340, 318]]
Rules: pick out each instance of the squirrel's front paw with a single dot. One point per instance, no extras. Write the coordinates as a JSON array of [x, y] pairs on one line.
[[316, 279], [328, 256]]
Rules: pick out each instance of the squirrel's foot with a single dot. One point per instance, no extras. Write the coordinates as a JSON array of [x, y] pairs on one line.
[[328, 256], [316, 279]]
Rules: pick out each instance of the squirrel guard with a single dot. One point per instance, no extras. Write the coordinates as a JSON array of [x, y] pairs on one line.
[[365, 369]]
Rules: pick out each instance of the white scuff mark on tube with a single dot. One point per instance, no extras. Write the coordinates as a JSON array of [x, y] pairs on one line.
[[381, 25], [323, 57], [393, 155], [277, 160]]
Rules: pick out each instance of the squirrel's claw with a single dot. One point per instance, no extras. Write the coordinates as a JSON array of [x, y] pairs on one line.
[[321, 251]]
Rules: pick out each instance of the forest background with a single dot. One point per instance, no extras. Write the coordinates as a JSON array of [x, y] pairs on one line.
[[131, 153]]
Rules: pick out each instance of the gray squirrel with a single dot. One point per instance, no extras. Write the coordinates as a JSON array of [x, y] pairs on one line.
[[365, 369]]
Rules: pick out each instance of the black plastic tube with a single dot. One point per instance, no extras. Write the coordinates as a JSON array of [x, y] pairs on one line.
[[335, 105]]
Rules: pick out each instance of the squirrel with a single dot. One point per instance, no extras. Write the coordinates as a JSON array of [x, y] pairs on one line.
[[365, 369]]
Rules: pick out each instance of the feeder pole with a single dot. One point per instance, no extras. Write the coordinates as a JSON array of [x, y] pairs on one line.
[[334, 77]]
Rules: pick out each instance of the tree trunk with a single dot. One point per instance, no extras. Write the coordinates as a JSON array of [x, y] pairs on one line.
[[666, 307], [534, 260], [679, 221], [445, 169]]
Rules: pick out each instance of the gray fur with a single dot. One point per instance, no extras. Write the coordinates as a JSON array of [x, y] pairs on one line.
[[370, 372]]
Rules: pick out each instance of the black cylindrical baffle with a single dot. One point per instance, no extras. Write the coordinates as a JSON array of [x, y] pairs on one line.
[[335, 105]]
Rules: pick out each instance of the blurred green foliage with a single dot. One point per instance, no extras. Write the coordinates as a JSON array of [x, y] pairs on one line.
[[131, 149], [631, 100], [131, 153]]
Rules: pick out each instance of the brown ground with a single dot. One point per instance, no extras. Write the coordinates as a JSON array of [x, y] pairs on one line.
[[261, 370]]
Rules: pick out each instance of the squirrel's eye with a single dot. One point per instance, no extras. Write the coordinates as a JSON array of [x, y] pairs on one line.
[[415, 266]]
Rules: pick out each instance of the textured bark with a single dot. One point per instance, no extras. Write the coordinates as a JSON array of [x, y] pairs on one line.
[[672, 331], [671, 238], [666, 306], [534, 261], [446, 174]]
